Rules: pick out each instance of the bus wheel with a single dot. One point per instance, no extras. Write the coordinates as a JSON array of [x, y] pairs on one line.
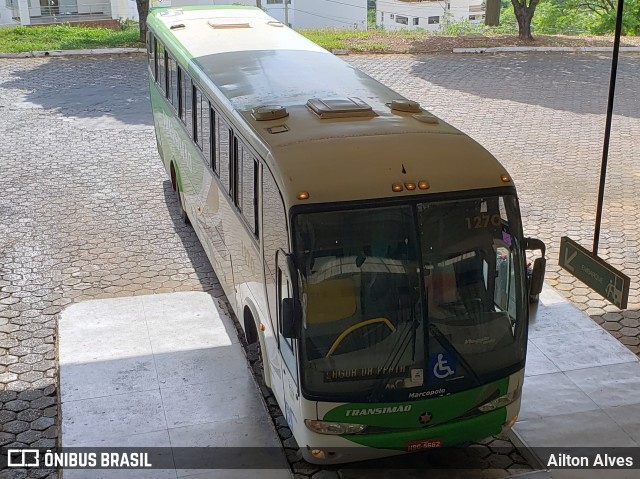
[[176, 189]]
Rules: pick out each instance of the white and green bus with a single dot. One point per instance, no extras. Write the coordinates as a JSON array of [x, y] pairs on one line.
[[374, 252]]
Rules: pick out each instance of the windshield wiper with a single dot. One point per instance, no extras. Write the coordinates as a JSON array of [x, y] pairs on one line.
[[395, 357]]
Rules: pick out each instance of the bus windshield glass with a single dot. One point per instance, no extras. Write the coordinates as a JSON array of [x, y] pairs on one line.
[[410, 301]]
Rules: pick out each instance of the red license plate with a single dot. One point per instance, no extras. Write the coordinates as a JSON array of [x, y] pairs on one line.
[[423, 444]]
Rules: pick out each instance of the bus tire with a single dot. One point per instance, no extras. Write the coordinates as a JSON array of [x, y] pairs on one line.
[[177, 187]]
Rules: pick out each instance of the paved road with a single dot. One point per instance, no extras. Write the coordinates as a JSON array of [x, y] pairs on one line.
[[86, 211]]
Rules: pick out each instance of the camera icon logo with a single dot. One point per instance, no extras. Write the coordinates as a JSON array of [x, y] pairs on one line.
[[23, 457]]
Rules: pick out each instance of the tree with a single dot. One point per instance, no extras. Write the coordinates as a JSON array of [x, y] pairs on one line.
[[143, 11], [524, 14], [492, 12]]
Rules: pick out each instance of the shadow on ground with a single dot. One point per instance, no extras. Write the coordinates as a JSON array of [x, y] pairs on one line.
[[112, 89], [525, 78]]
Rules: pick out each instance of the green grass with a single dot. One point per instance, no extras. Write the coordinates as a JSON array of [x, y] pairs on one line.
[[65, 37], [365, 40]]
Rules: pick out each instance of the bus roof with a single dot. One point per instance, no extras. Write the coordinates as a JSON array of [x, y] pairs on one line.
[[249, 60]]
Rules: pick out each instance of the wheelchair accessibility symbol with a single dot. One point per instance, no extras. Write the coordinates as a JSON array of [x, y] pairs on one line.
[[441, 368]]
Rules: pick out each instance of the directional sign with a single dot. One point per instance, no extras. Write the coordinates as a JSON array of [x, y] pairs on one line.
[[603, 278]]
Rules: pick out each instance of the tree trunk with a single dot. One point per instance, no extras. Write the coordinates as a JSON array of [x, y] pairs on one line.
[[492, 13], [524, 15], [143, 11]]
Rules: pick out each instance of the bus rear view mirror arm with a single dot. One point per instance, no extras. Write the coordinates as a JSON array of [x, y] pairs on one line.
[[535, 274], [291, 318]]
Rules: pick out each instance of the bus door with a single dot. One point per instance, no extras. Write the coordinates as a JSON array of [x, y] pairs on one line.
[[288, 347]]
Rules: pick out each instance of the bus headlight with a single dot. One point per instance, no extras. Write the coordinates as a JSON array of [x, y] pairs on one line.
[[501, 401], [324, 427]]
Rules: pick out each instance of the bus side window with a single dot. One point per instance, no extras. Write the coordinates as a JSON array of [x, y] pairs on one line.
[[236, 172], [249, 191], [184, 101], [151, 53], [224, 135], [274, 222], [213, 147], [197, 116], [161, 76], [172, 90]]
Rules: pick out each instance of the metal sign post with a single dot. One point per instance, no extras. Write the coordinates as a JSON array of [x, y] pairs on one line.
[[607, 128], [588, 267]]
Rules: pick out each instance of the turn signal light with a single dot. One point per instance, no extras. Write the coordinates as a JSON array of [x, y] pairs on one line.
[[505, 178], [303, 195], [423, 185], [410, 186], [396, 187]]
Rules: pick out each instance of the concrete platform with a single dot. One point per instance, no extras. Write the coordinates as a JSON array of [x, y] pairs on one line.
[[581, 387], [167, 371], [161, 370]]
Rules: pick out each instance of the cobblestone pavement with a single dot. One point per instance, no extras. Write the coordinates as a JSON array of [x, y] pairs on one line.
[[87, 212]]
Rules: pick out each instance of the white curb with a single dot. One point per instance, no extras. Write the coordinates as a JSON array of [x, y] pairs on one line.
[[61, 53], [542, 49]]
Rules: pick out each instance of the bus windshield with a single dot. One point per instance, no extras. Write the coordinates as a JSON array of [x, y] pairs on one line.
[[410, 301]]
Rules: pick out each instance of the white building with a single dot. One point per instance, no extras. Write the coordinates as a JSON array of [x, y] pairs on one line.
[[429, 15], [42, 12], [341, 14]]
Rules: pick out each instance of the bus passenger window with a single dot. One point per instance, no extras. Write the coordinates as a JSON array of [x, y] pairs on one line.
[[224, 134], [213, 123], [188, 102], [249, 168], [205, 134], [172, 92], [236, 172], [151, 53], [161, 76], [274, 222], [197, 116]]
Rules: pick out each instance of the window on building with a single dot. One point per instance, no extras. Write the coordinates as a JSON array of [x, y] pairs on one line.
[[433, 20], [416, 21], [391, 16], [402, 20]]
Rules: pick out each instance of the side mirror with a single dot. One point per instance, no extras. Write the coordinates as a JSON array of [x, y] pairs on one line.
[[535, 276], [291, 318]]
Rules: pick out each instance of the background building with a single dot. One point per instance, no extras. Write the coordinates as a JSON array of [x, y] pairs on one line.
[[429, 15], [342, 14]]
